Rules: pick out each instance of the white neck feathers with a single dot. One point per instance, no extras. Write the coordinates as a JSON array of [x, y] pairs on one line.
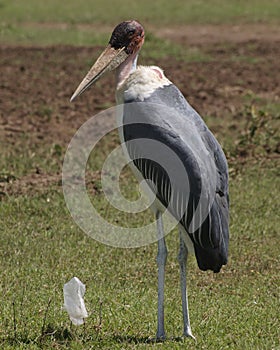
[[141, 83]]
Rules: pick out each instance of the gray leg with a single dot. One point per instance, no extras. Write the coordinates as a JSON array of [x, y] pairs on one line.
[[161, 262], [182, 258]]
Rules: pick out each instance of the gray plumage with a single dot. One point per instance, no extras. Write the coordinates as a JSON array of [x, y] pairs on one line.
[[167, 117]]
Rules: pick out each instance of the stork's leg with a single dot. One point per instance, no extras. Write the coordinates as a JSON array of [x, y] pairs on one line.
[[182, 258], [161, 262]]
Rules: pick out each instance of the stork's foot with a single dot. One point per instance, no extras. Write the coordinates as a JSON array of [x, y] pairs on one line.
[[157, 339], [160, 337], [188, 333]]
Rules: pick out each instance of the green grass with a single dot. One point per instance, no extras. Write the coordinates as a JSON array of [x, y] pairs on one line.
[[52, 22], [160, 12], [18, 161], [42, 248], [155, 48]]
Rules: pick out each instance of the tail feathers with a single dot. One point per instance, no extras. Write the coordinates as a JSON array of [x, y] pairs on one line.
[[214, 257], [210, 259]]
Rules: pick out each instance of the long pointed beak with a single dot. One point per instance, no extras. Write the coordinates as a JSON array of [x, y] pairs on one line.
[[109, 60]]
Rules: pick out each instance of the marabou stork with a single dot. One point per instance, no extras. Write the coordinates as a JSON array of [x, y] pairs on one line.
[[171, 121]]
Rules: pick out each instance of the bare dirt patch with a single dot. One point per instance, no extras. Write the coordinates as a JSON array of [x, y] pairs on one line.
[[211, 34], [36, 84], [29, 184]]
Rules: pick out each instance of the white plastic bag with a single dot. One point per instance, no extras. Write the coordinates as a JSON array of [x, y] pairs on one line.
[[74, 304]]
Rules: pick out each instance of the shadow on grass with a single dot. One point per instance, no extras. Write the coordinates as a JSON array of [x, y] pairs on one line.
[[131, 339], [64, 336], [20, 339], [60, 335]]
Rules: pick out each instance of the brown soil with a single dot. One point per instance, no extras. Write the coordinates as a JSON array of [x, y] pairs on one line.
[[36, 84], [210, 34]]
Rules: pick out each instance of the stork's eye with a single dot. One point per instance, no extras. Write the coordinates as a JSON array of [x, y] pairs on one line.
[[131, 32]]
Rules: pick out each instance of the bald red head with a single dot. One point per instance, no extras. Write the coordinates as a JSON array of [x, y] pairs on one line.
[[128, 34]]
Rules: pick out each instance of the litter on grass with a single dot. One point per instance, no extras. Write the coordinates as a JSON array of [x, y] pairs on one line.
[[74, 304]]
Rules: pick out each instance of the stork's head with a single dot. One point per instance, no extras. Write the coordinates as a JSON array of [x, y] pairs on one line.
[[125, 42], [128, 35]]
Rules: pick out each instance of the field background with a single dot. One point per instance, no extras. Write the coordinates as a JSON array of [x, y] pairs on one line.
[[224, 56]]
